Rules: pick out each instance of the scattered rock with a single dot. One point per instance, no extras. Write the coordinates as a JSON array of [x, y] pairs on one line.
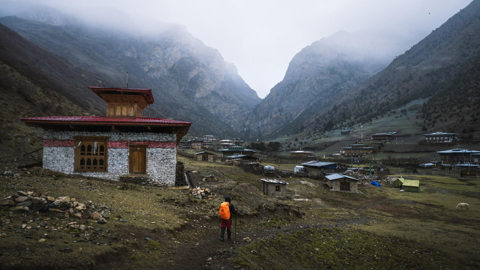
[[20, 208], [102, 221], [96, 215], [29, 201], [247, 239]]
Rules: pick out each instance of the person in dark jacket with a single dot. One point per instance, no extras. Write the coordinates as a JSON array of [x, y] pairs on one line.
[[226, 224]]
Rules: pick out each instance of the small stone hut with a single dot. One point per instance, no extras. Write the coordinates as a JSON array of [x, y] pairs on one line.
[[274, 187], [205, 156], [340, 182], [316, 169], [122, 143]]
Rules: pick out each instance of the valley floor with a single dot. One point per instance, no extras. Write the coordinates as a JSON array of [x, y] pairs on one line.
[[379, 228]]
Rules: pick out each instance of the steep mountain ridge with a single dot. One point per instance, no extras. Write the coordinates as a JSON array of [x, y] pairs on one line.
[[316, 76], [34, 82], [186, 76], [428, 69]]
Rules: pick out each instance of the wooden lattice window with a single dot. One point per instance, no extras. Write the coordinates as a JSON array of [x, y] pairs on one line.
[[91, 154], [277, 188]]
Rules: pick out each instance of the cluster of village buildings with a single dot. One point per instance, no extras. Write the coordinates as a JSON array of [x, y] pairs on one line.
[[125, 145]]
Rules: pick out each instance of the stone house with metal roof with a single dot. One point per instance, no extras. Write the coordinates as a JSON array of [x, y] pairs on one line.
[[122, 143], [340, 182], [205, 156], [316, 169], [274, 187]]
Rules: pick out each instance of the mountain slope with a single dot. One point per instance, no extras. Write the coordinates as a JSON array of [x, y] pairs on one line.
[[440, 63], [316, 76], [33, 82], [186, 76]]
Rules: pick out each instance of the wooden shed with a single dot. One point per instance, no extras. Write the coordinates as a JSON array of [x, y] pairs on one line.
[[411, 185], [274, 187]]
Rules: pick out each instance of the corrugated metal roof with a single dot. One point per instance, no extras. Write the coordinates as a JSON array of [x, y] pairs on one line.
[[439, 134], [315, 163], [236, 150], [337, 176], [274, 181], [458, 151], [204, 152], [92, 120]]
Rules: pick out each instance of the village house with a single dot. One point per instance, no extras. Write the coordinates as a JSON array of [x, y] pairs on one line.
[[205, 156], [237, 151], [441, 138], [458, 155], [383, 136], [208, 141], [316, 169], [357, 150], [226, 144], [196, 143], [340, 182], [122, 143], [238, 142], [274, 187], [208, 138]]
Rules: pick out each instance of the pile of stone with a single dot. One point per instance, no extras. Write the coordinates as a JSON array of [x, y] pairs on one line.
[[365, 179], [31, 202], [200, 193]]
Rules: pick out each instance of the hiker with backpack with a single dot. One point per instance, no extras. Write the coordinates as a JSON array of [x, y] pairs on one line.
[[226, 211]]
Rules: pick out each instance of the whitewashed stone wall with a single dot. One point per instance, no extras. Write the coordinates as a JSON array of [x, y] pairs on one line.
[[161, 161]]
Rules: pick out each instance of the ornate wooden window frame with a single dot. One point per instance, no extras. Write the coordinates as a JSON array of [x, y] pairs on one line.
[[91, 154]]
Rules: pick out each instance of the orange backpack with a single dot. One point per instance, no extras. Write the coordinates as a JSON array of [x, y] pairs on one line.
[[224, 210]]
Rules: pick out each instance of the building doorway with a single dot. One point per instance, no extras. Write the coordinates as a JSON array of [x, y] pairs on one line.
[[137, 159]]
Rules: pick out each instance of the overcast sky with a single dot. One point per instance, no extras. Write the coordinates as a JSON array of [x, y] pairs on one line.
[[261, 36]]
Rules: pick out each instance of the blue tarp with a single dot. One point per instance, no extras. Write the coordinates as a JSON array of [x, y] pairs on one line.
[[375, 183]]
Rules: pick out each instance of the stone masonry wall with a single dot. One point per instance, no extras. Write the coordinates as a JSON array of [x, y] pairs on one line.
[[59, 154], [353, 185]]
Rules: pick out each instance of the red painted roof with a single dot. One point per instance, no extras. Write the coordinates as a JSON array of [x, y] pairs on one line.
[[146, 93], [103, 120]]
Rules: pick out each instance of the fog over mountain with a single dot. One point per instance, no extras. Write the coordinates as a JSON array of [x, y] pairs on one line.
[[261, 37], [193, 82]]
